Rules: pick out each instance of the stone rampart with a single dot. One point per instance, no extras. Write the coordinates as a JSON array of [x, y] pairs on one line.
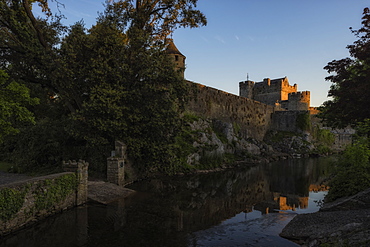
[[267, 91], [28, 201], [286, 121], [253, 118], [299, 101]]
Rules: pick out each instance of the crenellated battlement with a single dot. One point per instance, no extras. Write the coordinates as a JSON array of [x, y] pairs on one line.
[[302, 93], [299, 101]]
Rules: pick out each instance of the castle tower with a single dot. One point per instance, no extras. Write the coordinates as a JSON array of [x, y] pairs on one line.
[[299, 101], [246, 89], [177, 57]]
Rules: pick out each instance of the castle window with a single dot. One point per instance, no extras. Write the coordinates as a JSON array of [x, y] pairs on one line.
[[176, 58]]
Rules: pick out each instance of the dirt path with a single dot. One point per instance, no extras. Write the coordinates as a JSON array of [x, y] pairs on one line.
[[7, 178]]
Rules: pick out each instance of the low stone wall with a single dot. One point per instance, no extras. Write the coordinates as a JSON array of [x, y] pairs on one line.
[[252, 117], [28, 201]]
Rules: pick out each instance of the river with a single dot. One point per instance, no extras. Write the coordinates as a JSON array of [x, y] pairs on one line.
[[236, 207]]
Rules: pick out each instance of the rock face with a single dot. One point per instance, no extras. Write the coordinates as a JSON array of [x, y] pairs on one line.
[[345, 222], [215, 139], [289, 143]]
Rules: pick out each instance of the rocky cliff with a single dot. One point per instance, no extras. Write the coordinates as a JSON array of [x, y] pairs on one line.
[[215, 143]]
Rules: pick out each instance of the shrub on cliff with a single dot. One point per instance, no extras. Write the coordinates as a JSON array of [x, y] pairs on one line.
[[353, 170]]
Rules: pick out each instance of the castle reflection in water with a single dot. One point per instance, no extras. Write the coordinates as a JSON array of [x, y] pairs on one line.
[[166, 211]]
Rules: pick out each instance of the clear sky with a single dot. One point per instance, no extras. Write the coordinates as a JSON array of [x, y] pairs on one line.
[[264, 38]]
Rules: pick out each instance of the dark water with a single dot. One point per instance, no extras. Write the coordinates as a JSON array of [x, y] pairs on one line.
[[242, 207]]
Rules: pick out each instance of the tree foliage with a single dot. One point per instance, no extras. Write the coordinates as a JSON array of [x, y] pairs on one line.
[[139, 103], [350, 79], [353, 171], [14, 100], [158, 18], [111, 82]]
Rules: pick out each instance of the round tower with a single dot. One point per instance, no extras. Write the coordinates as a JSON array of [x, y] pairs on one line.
[[177, 57]]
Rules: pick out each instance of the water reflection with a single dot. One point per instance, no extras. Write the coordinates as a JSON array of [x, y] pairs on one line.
[[246, 207]]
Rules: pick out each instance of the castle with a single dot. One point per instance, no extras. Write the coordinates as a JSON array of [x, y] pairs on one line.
[[277, 92], [260, 106]]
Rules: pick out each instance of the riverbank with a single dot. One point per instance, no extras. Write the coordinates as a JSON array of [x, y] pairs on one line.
[[344, 222]]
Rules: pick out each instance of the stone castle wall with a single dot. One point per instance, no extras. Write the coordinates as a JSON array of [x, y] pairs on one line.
[[30, 200], [268, 91], [254, 118], [286, 89], [246, 89], [286, 121], [297, 101]]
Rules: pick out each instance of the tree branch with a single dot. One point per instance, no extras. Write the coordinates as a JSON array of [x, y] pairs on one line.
[[35, 26]]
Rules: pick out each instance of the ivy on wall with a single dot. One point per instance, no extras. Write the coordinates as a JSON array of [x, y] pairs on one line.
[[52, 191], [47, 193], [11, 201], [303, 121]]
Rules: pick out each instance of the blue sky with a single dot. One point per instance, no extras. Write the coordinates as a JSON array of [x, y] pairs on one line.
[[264, 38]]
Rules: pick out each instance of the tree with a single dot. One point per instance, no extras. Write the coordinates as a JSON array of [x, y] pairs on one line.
[[139, 103], [351, 82], [14, 99], [158, 18], [113, 81]]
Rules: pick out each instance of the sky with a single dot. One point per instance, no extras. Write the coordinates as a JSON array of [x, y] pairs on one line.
[[259, 38]]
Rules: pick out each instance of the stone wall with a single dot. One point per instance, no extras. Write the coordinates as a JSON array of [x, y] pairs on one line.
[[343, 137], [246, 89], [299, 101], [276, 91], [269, 91], [286, 121], [252, 117], [28, 201]]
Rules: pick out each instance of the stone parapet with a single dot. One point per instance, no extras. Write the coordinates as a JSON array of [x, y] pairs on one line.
[[81, 169], [31, 200]]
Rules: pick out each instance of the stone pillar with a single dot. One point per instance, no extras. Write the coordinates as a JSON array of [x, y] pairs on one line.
[[116, 164], [81, 169]]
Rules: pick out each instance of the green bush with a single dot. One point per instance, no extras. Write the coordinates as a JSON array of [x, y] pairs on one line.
[[324, 136], [353, 172], [322, 149], [303, 121]]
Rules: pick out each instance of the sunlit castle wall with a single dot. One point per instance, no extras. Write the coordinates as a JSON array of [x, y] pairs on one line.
[[267, 91], [271, 91], [299, 101], [254, 118]]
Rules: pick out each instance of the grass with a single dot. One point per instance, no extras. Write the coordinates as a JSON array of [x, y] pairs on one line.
[[5, 166]]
